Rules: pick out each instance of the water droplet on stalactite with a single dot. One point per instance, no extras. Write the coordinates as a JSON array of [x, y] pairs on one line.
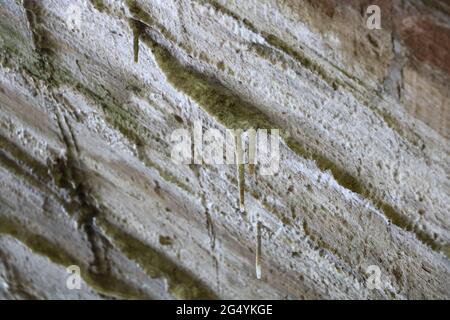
[[258, 250], [240, 170]]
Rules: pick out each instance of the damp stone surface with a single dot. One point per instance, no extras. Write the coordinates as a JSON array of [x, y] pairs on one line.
[[92, 91]]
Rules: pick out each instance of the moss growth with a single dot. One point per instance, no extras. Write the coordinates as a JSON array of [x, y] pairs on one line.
[[182, 285], [12, 40], [41, 65], [320, 243], [105, 284], [304, 60], [282, 46], [100, 6], [35, 242], [446, 250], [343, 177], [163, 173], [218, 101], [234, 113], [284, 220], [142, 16], [122, 117], [403, 222], [396, 126], [7, 148], [138, 13]]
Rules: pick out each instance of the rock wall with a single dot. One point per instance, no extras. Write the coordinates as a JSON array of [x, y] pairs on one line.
[[91, 92]]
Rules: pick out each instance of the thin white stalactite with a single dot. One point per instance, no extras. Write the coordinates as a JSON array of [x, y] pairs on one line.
[[240, 169], [258, 250], [251, 151]]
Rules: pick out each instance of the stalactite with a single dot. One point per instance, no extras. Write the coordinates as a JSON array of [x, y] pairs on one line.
[[136, 48], [137, 29], [240, 169], [251, 151], [258, 250]]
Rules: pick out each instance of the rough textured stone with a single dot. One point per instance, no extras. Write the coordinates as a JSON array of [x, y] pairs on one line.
[[90, 92]]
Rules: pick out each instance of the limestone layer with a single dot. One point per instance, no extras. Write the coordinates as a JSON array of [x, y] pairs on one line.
[[91, 92]]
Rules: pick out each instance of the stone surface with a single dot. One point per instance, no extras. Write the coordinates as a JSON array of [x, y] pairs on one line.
[[86, 176]]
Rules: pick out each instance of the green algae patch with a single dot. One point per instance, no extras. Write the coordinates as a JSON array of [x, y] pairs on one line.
[[143, 17], [344, 178], [396, 126], [215, 99], [282, 46], [403, 222], [100, 6], [36, 243], [166, 175], [102, 283], [10, 150], [182, 285], [348, 181]]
